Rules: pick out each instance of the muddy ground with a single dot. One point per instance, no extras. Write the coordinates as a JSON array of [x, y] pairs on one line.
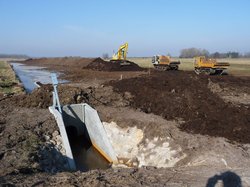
[[203, 119]]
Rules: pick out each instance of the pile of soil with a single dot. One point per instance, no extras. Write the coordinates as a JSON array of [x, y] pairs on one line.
[[42, 97], [184, 96], [241, 84], [101, 65]]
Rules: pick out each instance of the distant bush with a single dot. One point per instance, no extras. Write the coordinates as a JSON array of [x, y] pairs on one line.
[[225, 55], [192, 52]]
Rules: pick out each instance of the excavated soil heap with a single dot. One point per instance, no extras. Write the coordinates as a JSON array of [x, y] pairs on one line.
[[186, 96], [42, 97], [101, 65]]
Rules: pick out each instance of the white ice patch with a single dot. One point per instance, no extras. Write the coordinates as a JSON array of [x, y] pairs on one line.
[[126, 143]]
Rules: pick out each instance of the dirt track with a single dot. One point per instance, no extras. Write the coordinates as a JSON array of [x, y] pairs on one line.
[[176, 107]]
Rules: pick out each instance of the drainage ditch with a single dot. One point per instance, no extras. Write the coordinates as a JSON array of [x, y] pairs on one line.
[[29, 75]]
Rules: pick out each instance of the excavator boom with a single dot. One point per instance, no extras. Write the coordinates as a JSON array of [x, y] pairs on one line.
[[121, 55]]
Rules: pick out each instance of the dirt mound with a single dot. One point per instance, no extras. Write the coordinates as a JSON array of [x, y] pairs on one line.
[[101, 65], [186, 96], [42, 97]]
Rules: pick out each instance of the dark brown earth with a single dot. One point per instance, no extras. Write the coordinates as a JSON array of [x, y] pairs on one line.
[[25, 122], [42, 97], [185, 96], [101, 65]]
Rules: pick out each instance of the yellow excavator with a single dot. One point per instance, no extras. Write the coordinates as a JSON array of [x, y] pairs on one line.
[[121, 55], [164, 63], [210, 66]]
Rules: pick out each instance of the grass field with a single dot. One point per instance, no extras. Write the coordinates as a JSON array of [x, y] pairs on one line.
[[239, 67], [8, 82]]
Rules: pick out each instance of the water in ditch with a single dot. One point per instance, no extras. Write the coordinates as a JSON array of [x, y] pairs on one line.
[[86, 157], [28, 75]]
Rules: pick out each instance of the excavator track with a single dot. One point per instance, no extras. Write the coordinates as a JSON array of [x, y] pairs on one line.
[[162, 68], [166, 67], [121, 62], [210, 71]]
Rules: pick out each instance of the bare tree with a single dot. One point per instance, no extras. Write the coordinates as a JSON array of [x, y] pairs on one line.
[[233, 54], [192, 52], [105, 56], [215, 55]]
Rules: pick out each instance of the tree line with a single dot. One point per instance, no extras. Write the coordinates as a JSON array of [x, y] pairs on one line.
[[192, 52], [13, 56]]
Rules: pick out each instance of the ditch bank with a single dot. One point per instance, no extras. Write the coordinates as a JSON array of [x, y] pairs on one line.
[[9, 83]]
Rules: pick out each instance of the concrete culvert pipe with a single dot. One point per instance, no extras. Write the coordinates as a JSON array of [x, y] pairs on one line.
[[88, 143]]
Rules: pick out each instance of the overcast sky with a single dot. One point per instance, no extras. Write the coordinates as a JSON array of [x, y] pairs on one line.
[[92, 27]]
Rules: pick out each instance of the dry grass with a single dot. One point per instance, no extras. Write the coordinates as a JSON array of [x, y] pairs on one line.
[[8, 81], [239, 67]]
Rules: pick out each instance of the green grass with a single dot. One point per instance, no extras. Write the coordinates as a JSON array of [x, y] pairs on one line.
[[239, 67], [8, 81]]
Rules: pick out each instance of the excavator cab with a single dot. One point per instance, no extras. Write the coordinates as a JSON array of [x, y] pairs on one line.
[[121, 55]]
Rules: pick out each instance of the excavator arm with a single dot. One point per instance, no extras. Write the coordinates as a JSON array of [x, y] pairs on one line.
[[121, 53]]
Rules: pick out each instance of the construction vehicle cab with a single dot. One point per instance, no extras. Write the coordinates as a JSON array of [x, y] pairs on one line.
[[209, 66], [164, 63], [121, 55]]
